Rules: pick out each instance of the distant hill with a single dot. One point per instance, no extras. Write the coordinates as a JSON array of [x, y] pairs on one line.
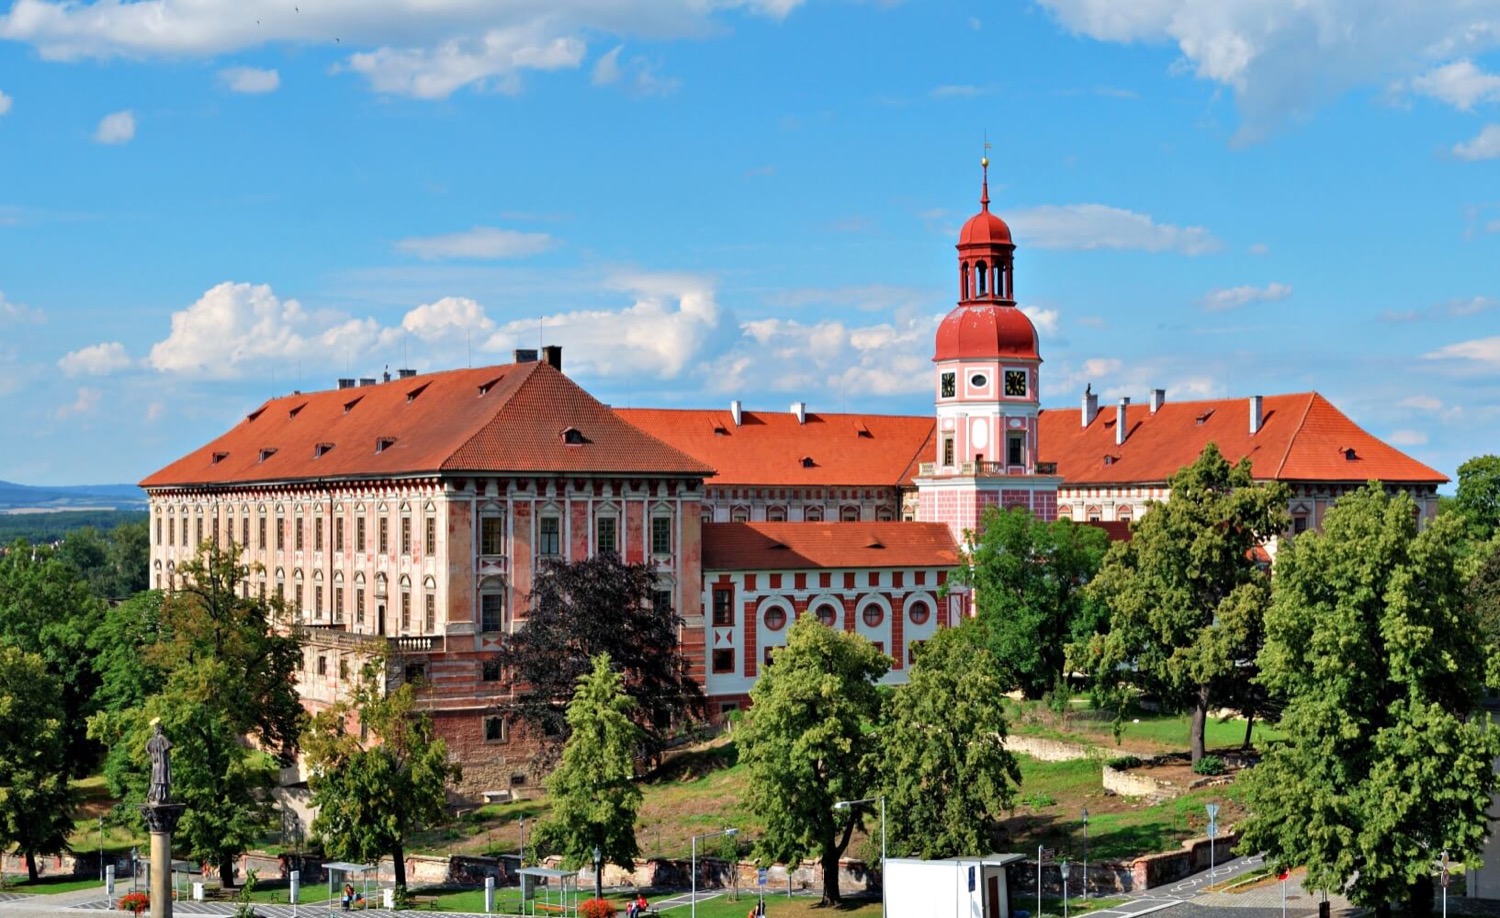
[[25, 498]]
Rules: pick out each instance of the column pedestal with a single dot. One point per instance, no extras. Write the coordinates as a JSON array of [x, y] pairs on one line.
[[161, 819]]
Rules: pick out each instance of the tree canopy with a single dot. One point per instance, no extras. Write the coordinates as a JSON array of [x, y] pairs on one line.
[[1186, 596], [1029, 577], [1372, 644], [36, 801], [374, 786], [1477, 498], [593, 792], [600, 605], [807, 744], [948, 778]]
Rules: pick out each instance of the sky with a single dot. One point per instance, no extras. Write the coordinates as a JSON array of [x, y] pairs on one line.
[[207, 203]]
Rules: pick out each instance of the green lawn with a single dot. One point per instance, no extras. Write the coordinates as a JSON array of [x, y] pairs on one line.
[[49, 885], [1142, 733]]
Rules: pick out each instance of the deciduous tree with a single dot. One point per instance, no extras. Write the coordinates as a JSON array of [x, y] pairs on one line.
[[36, 801], [1385, 762], [947, 775], [1029, 577], [807, 743], [1477, 498], [593, 791], [377, 771], [1186, 596]]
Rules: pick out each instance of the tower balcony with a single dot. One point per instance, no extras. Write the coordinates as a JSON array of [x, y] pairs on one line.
[[983, 469]]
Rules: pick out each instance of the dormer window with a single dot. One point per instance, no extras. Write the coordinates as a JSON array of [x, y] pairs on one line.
[[267, 452], [572, 436], [412, 395], [320, 449], [384, 443], [1349, 454], [293, 413], [254, 414], [219, 457], [485, 388], [807, 462], [349, 405], [1200, 419]]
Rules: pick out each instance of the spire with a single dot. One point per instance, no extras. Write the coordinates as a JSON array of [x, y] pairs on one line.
[[984, 185]]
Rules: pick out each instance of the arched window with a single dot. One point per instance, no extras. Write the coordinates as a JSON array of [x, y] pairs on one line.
[[918, 612], [775, 618], [982, 276], [813, 514], [828, 614], [874, 616]]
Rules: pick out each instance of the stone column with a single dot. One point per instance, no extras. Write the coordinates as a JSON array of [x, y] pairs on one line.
[[161, 819]]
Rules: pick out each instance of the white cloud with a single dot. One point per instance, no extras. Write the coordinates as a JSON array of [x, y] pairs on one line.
[[1483, 352], [84, 403], [828, 358], [1460, 84], [607, 68], [1422, 403], [1461, 308], [1260, 248], [493, 61], [1283, 58], [447, 319], [1045, 320], [1098, 226], [1406, 438], [4, 103], [1484, 145], [95, 360], [642, 73], [250, 80], [115, 128], [18, 314], [481, 242], [1227, 298]]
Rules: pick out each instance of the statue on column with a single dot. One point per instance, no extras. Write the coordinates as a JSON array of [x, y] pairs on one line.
[[159, 748]]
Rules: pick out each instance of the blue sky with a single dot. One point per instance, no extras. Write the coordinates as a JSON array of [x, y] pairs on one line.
[[208, 203]]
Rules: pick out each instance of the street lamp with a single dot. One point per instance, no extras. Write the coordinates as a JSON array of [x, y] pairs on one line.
[[1085, 852], [1065, 888], [522, 821], [846, 804], [693, 910], [598, 877], [101, 849]]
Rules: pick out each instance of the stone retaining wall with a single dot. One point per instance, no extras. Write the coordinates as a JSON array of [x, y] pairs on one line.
[[1133, 784], [1049, 750]]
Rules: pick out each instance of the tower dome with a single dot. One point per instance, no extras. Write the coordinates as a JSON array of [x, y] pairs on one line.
[[986, 322], [986, 330]]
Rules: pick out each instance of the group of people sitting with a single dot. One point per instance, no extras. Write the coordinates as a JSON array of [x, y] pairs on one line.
[[637, 908], [352, 899]]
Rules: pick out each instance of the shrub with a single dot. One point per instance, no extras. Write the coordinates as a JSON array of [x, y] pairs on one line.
[[1209, 765], [1125, 761], [596, 908], [1037, 799], [136, 902]]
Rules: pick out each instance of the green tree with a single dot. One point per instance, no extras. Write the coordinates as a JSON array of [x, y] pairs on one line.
[[113, 563], [1482, 595], [593, 791], [947, 775], [220, 672], [374, 787], [1185, 595], [1477, 498], [1029, 577], [1385, 762], [127, 676], [47, 609], [808, 743], [36, 801], [600, 605]]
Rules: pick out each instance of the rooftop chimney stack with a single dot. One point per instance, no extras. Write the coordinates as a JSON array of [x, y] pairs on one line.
[[800, 410], [1090, 406], [367, 380], [1158, 398], [552, 353], [346, 383], [525, 355], [405, 373], [1120, 422], [736, 411], [1255, 415]]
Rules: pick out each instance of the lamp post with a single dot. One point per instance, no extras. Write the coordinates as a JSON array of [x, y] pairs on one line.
[[101, 849], [1213, 830], [1085, 852], [1064, 866], [693, 909], [522, 821], [598, 877], [847, 804]]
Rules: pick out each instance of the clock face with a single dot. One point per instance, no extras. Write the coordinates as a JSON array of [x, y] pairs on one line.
[[950, 385], [979, 380], [1015, 383]]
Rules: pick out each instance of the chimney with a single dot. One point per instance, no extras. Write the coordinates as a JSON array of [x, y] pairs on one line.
[[1158, 398], [800, 410], [736, 412], [552, 353], [1255, 415], [525, 355], [367, 380], [1090, 406], [346, 383], [406, 373], [1120, 422]]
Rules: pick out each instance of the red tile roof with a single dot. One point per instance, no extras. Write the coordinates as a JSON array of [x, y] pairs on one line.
[[806, 546], [1302, 437], [770, 448], [511, 418]]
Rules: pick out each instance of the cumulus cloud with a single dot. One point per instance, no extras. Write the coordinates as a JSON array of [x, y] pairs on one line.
[[250, 80], [4, 103], [481, 242], [1484, 145], [1407, 438], [1045, 320], [1422, 403], [828, 357], [18, 314], [116, 128], [84, 403], [1480, 353], [95, 360], [1283, 58], [1227, 298], [1460, 84], [1098, 226], [607, 68]]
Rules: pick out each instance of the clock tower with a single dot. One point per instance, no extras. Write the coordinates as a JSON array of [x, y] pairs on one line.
[[986, 372]]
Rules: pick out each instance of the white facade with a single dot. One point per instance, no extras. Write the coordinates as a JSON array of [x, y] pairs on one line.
[[960, 887]]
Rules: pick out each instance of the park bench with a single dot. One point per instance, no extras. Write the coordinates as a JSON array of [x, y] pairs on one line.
[[496, 796], [550, 907], [428, 902]]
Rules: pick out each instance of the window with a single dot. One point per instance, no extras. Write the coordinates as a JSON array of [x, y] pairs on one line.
[[198, 530], [661, 535], [318, 601], [490, 671], [262, 539], [979, 380], [298, 594], [813, 514], [297, 534], [879, 646], [491, 612], [172, 530], [1015, 449], [848, 514], [947, 451], [827, 614], [383, 544], [775, 514], [491, 535], [359, 606], [416, 672], [343, 668], [918, 612], [430, 620], [739, 515], [280, 533], [775, 618], [405, 535], [661, 602], [317, 533], [158, 530], [405, 610], [245, 533], [1299, 524], [912, 648], [495, 730], [359, 534], [723, 607], [874, 616], [723, 661], [338, 604], [338, 534], [950, 385], [606, 534], [429, 543], [549, 536], [322, 664]]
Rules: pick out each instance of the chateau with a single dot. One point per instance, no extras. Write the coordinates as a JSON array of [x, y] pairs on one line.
[[409, 514]]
